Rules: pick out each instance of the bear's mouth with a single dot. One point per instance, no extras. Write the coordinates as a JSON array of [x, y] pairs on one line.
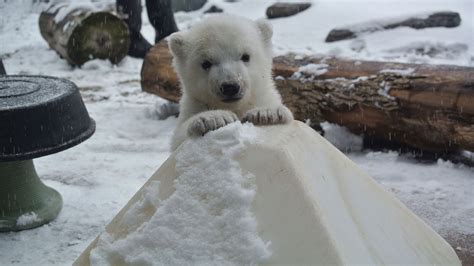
[[231, 99]]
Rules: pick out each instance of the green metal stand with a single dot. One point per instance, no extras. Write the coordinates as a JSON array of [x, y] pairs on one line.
[[25, 202]]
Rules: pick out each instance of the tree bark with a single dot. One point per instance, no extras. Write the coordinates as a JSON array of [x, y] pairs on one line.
[[79, 33], [430, 107]]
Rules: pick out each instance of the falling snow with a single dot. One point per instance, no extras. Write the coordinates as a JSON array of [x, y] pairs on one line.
[[98, 177]]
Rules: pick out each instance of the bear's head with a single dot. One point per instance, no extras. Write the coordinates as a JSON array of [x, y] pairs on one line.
[[224, 60]]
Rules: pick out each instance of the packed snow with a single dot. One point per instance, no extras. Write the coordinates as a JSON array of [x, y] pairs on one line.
[[64, 10], [312, 70], [384, 89], [27, 218], [402, 72], [341, 138], [98, 177], [211, 192]]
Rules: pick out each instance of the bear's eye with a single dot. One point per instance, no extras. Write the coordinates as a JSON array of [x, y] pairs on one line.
[[206, 65], [245, 58]]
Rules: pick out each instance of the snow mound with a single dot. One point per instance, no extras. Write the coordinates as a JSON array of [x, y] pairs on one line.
[[402, 72], [429, 49], [384, 89], [311, 70], [27, 219], [63, 10], [342, 138], [314, 69], [206, 220], [311, 203]]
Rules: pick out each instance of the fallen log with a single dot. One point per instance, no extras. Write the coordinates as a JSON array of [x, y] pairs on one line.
[[439, 19], [82, 32], [430, 107]]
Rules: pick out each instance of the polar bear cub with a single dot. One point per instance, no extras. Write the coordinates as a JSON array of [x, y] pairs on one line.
[[224, 64]]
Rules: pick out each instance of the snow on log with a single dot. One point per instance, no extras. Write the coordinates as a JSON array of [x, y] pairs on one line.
[[424, 106], [216, 201], [82, 32], [439, 19]]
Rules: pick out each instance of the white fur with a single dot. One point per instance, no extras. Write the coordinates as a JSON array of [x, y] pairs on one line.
[[223, 39]]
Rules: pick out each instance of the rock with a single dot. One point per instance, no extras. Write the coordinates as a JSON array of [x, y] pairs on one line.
[[340, 34], [279, 10], [440, 19], [165, 110], [214, 9], [310, 202], [101, 32], [187, 5]]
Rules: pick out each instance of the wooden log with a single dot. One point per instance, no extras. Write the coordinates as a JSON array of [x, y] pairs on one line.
[[425, 106], [439, 19], [79, 33]]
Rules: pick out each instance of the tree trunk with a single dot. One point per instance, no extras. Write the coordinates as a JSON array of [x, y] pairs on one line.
[[424, 106], [82, 32]]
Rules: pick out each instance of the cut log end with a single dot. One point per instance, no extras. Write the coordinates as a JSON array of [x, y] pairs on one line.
[[101, 35], [80, 34], [158, 77]]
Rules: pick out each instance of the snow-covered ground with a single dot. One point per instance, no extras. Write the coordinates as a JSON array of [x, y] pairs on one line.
[[98, 177]]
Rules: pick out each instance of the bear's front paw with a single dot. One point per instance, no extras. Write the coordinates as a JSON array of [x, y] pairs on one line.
[[268, 116], [202, 123]]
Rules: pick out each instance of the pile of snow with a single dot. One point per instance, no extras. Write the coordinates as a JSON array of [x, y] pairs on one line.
[[341, 138], [27, 218], [64, 9], [310, 70], [384, 89], [309, 200], [207, 219], [402, 72], [423, 51], [314, 69]]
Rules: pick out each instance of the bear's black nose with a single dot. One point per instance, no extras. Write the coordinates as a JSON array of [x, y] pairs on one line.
[[230, 89]]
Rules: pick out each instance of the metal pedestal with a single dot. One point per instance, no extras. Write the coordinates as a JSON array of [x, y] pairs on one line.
[[25, 202]]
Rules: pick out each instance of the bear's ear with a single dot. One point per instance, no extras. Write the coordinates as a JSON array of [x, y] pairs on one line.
[[265, 29], [176, 44]]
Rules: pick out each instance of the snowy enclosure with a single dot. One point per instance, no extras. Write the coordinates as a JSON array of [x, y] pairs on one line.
[[98, 177]]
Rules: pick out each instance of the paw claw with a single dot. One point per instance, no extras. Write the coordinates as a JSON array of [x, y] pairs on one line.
[[268, 116], [208, 121]]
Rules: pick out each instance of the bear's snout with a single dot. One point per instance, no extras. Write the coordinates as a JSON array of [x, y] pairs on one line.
[[230, 92]]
